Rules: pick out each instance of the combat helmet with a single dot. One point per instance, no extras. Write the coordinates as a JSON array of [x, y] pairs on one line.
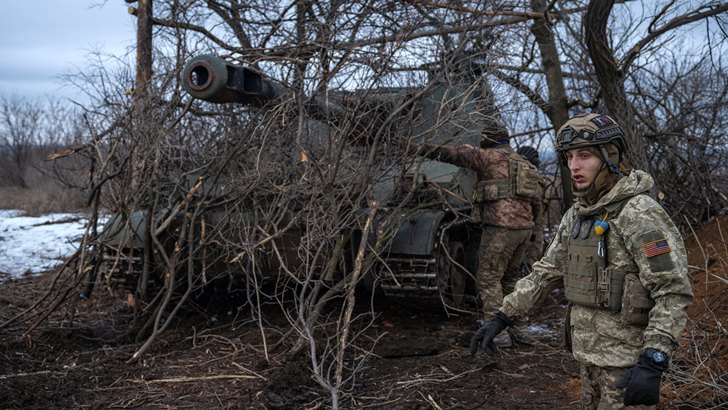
[[593, 130]]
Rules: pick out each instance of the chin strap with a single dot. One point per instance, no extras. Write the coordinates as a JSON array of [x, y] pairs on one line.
[[613, 168]]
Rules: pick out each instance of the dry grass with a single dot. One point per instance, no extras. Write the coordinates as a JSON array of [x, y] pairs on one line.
[[46, 198], [699, 375]]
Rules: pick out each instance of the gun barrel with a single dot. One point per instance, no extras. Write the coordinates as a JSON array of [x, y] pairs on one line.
[[213, 79]]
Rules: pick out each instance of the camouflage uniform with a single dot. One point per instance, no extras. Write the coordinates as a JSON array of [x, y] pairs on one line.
[[535, 246], [507, 222], [598, 389], [642, 241]]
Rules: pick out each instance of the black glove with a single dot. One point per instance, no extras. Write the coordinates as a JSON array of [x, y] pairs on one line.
[[485, 335], [643, 380]]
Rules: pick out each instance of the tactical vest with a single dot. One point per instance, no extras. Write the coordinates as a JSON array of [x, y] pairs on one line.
[[522, 182], [588, 281]]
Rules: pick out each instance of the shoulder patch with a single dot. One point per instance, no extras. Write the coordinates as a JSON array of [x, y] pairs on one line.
[[656, 247]]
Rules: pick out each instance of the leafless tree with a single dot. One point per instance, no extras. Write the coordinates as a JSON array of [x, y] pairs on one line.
[[22, 128], [30, 130]]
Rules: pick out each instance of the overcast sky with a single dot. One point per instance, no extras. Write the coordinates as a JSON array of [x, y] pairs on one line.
[[41, 39]]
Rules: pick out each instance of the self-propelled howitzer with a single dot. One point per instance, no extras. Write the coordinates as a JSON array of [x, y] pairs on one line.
[[432, 254]]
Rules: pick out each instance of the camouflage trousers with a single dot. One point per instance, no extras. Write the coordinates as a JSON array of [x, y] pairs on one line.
[[598, 391], [499, 259]]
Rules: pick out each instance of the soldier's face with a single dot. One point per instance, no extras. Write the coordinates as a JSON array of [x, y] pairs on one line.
[[584, 167]]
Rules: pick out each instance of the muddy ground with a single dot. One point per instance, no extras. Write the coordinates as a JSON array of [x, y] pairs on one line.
[[408, 358]]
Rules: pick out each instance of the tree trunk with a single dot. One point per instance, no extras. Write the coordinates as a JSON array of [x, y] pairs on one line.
[[558, 108], [140, 130], [609, 76], [141, 86], [144, 49]]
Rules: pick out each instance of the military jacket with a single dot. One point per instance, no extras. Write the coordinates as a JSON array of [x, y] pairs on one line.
[[640, 239], [488, 164], [535, 247]]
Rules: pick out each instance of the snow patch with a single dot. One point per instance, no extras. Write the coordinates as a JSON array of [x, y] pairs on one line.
[[30, 244]]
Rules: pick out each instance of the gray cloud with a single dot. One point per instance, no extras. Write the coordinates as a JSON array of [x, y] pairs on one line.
[[42, 39]]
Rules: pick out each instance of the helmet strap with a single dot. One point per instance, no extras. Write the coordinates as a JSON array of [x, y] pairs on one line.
[[613, 168]]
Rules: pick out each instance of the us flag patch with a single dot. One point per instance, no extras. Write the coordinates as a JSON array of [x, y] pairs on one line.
[[655, 248]]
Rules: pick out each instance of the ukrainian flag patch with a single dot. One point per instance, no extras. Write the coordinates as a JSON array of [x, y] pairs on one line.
[[655, 248]]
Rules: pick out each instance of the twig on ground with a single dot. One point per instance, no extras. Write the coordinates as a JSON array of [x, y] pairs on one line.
[[187, 379]]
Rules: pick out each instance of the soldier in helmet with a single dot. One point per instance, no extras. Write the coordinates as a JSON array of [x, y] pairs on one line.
[[505, 192], [624, 269]]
